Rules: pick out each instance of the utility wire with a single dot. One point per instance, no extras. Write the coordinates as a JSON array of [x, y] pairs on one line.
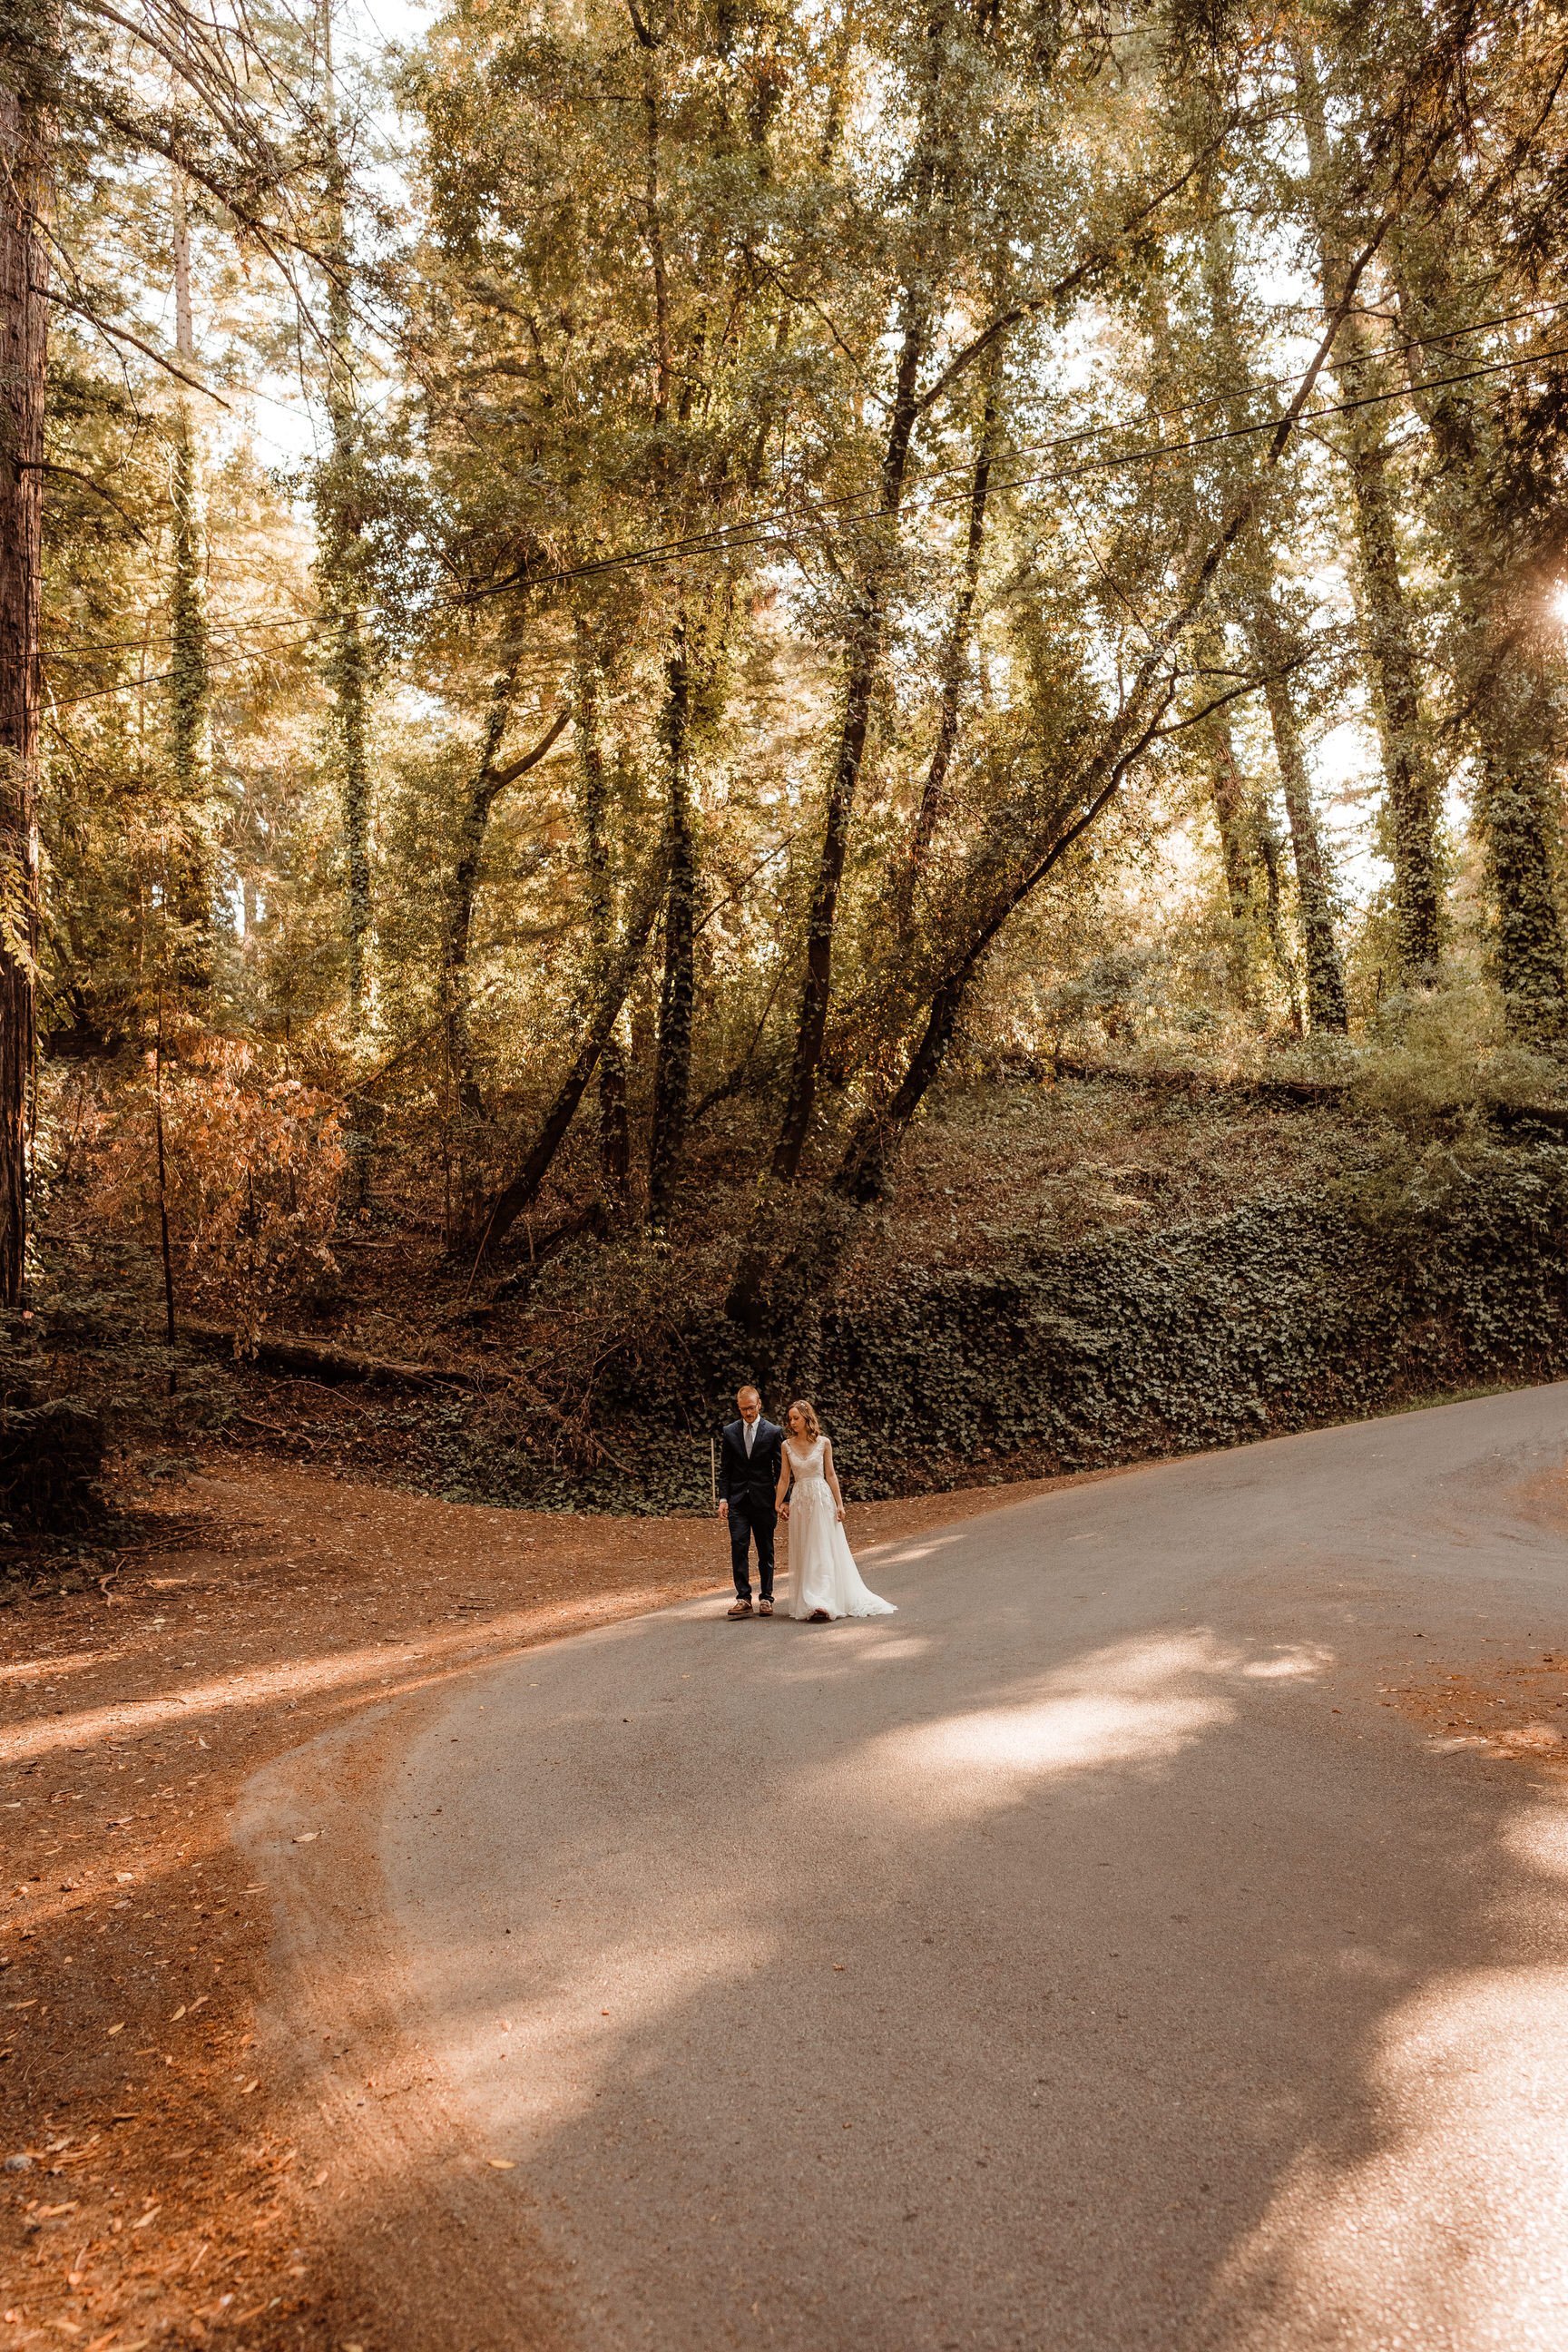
[[763, 532], [774, 530]]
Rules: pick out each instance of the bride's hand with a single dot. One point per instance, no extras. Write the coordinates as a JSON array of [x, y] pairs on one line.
[[839, 1512]]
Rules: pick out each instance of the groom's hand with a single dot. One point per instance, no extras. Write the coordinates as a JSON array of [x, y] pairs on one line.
[[723, 1506]]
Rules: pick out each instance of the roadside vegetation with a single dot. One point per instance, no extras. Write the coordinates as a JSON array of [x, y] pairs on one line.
[[871, 695]]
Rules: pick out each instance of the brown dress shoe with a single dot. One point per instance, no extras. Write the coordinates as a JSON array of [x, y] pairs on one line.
[[739, 1609], [766, 1606]]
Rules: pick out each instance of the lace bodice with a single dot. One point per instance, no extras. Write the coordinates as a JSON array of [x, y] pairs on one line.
[[809, 1463]]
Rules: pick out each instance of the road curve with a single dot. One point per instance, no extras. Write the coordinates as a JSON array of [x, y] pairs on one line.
[[1082, 1960]]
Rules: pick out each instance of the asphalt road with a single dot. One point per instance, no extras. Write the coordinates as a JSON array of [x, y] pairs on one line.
[[1082, 1960]]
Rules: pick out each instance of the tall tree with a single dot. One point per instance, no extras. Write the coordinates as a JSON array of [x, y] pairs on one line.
[[1333, 197], [345, 555], [1278, 656], [598, 865], [25, 139], [190, 855], [1499, 545]]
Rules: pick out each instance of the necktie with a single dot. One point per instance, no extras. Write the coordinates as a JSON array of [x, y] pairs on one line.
[[748, 1426]]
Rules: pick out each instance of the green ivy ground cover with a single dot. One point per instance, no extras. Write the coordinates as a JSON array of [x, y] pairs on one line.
[[1286, 1312]]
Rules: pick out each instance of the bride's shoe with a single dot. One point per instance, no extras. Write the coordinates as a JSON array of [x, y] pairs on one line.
[[819, 1617]]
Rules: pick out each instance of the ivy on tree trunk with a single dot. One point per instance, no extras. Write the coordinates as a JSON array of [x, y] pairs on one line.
[[24, 161]]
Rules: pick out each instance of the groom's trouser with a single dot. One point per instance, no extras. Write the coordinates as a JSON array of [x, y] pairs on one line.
[[742, 1529]]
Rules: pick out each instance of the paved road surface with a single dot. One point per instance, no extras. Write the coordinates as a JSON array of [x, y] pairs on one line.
[[1081, 1960]]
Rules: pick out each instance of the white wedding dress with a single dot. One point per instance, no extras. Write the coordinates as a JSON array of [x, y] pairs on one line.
[[821, 1570]]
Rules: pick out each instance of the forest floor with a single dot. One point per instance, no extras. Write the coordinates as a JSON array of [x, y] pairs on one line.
[[156, 2190], [515, 1374]]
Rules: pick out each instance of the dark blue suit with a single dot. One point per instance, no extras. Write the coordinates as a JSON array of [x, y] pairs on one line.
[[749, 1482]]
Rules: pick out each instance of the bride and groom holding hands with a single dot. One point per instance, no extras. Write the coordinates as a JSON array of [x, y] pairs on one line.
[[767, 1474]]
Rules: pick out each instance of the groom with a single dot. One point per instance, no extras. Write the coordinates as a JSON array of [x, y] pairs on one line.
[[749, 1466]]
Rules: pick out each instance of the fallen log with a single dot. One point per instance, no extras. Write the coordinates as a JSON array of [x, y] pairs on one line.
[[323, 1360]]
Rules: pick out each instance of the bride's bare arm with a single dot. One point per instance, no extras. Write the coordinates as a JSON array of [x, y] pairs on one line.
[[831, 1474], [780, 1500]]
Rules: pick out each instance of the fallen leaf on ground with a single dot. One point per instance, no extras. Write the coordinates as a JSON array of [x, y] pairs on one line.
[[501, 2164]]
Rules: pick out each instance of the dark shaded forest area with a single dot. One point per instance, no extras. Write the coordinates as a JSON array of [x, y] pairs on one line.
[[869, 692]]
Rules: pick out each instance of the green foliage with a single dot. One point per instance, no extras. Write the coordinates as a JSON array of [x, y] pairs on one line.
[[866, 428], [1429, 1272]]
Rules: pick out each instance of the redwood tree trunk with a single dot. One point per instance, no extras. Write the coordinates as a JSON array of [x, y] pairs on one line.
[[1392, 663], [672, 1065], [867, 640], [1235, 816], [24, 281], [615, 1131], [517, 1198], [1519, 808], [458, 930], [1325, 971], [955, 658]]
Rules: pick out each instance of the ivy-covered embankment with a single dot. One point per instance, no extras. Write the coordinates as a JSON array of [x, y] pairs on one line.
[[1287, 1312]]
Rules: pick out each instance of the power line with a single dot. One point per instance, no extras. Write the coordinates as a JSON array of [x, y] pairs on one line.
[[724, 535], [774, 528], [73, 647], [762, 531]]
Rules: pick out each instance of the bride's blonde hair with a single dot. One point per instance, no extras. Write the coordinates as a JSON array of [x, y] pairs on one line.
[[807, 1411]]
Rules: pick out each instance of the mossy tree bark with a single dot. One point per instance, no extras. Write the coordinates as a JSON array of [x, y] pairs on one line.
[[342, 567], [25, 149], [672, 1053], [614, 1131], [189, 859], [1234, 799], [1272, 644], [1235, 350], [518, 1196], [955, 663], [1507, 658], [491, 777], [865, 635], [1518, 803], [1392, 657]]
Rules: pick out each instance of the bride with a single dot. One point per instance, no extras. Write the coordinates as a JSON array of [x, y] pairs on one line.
[[823, 1580]]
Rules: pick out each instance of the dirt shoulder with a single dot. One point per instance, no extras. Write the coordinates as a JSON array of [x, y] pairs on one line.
[[157, 2190]]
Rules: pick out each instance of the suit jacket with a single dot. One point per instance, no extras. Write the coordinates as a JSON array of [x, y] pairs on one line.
[[751, 1481]]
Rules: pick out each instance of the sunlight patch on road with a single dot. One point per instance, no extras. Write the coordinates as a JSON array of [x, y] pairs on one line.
[[1452, 2235], [539, 2038], [1540, 1840], [1138, 1701]]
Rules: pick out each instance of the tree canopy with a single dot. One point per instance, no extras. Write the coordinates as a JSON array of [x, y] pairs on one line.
[[597, 599]]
